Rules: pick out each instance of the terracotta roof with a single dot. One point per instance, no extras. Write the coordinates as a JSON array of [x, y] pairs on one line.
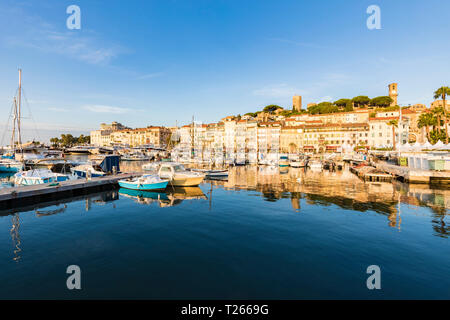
[[314, 121], [383, 118]]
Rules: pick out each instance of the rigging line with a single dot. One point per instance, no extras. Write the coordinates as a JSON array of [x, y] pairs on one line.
[[9, 118], [31, 115], [7, 123]]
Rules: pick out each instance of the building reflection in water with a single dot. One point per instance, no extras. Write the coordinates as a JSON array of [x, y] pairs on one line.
[[341, 188], [300, 186]]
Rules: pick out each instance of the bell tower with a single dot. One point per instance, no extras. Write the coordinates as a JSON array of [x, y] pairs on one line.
[[297, 103], [393, 93]]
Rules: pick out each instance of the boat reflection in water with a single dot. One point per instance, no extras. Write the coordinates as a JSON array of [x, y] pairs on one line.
[[6, 180], [169, 198]]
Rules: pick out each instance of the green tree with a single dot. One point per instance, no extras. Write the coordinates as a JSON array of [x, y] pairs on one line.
[[435, 136], [443, 92], [438, 113], [426, 120], [348, 107], [271, 108], [342, 102], [393, 124], [54, 141], [383, 101], [361, 101]]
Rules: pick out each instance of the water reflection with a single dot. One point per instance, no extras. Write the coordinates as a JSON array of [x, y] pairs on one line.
[[15, 237], [6, 180], [341, 188], [171, 197]]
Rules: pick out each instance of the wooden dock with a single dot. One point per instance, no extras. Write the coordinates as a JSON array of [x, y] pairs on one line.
[[372, 174], [26, 195], [416, 175]]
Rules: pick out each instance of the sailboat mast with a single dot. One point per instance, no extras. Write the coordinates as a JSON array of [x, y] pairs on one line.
[[19, 108], [13, 136]]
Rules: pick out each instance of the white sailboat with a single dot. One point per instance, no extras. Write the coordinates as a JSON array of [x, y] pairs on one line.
[[9, 163], [30, 177]]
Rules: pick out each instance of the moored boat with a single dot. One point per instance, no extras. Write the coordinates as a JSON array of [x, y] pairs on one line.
[[145, 183], [179, 176], [284, 161], [10, 165], [38, 176], [84, 170], [213, 174], [106, 164], [315, 165], [298, 163], [135, 157]]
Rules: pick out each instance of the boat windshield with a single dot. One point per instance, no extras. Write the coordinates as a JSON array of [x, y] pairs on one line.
[[178, 168]]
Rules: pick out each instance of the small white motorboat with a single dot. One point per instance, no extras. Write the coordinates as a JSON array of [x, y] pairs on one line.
[[145, 183], [298, 163], [315, 165], [179, 176], [135, 157], [213, 174], [87, 170], [38, 176]]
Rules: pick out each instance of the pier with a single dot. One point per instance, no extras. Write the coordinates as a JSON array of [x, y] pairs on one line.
[[26, 195], [372, 174], [415, 175]]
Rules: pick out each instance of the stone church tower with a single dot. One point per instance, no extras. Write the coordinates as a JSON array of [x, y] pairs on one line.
[[393, 93], [297, 103]]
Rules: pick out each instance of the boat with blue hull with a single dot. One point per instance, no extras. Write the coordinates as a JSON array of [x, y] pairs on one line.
[[143, 194], [144, 183], [10, 166]]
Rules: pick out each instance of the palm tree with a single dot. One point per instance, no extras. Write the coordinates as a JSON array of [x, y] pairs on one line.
[[426, 120], [393, 124], [438, 113], [442, 92]]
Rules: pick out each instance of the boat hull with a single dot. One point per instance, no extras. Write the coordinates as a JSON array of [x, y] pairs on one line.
[[143, 187], [82, 174], [9, 169], [186, 181]]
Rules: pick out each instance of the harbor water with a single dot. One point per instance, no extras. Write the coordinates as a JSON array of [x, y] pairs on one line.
[[265, 233]]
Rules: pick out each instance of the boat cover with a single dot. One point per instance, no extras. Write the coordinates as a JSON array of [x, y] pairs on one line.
[[109, 162]]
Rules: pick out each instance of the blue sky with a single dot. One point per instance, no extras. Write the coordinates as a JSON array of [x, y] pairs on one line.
[[157, 62]]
